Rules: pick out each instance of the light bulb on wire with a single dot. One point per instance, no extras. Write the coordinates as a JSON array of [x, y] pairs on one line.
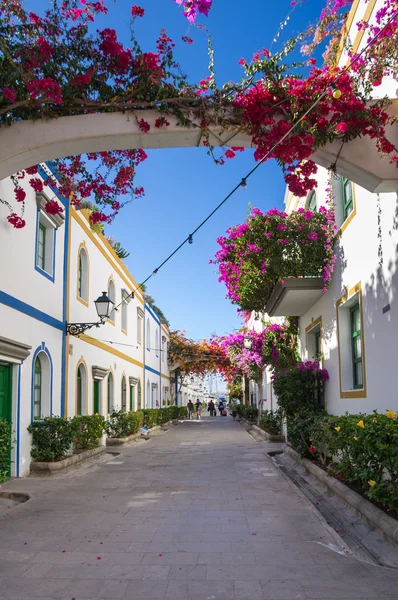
[[243, 184]]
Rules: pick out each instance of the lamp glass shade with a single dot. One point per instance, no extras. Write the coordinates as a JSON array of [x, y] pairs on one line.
[[103, 305], [247, 343]]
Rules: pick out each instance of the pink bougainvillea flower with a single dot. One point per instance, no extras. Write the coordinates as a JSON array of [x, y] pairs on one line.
[[53, 208], [144, 126], [10, 94], [342, 127], [187, 40], [20, 194], [137, 11], [98, 217], [36, 184], [161, 122], [230, 153]]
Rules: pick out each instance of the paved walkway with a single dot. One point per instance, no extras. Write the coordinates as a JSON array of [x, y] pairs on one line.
[[199, 513]]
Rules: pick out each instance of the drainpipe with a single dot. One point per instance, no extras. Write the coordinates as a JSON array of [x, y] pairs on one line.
[[144, 356], [160, 365]]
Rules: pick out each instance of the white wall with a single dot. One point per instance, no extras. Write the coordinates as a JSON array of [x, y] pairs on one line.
[[358, 261], [31, 313], [109, 346]]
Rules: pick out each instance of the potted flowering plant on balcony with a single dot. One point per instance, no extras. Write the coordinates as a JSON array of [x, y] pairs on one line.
[[269, 248]]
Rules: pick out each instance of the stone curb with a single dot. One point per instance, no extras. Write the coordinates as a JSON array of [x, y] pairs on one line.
[[49, 467], [375, 516], [125, 440], [136, 437], [268, 436]]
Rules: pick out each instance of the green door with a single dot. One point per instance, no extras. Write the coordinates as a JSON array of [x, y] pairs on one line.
[[6, 401], [96, 396], [132, 402]]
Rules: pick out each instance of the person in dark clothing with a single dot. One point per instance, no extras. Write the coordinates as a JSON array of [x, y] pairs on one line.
[[212, 409]]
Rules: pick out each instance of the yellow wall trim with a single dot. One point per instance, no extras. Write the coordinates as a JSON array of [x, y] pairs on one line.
[[78, 298], [308, 329], [123, 272], [351, 215], [356, 289], [82, 362], [165, 376], [67, 292], [358, 38], [346, 28], [98, 344]]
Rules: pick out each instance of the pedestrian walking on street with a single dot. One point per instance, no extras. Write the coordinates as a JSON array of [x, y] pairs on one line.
[[190, 408], [198, 406], [212, 408]]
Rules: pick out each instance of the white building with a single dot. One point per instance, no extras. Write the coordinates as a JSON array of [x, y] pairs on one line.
[[104, 365], [157, 377], [354, 325], [54, 269], [33, 286]]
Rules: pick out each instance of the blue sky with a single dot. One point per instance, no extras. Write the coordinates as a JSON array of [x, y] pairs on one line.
[[183, 185]]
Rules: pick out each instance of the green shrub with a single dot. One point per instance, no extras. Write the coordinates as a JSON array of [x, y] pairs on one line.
[[299, 387], [299, 429], [5, 449], [360, 449], [150, 417], [271, 422], [164, 415], [182, 411], [51, 437], [250, 413], [122, 424], [88, 430]]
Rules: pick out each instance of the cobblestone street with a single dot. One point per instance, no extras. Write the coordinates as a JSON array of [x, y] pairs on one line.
[[200, 512]]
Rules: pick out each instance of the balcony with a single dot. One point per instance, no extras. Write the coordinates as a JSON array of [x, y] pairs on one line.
[[295, 297]]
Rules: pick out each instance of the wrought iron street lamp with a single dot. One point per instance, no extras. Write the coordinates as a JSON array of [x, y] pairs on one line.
[[103, 305], [247, 342]]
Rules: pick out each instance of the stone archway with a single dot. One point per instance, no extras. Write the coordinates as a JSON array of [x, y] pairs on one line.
[[28, 143]]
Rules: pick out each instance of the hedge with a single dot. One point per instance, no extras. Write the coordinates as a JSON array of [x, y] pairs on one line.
[[271, 422], [5, 449], [250, 413], [52, 438], [122, 424], [362, 450], [88, 430]]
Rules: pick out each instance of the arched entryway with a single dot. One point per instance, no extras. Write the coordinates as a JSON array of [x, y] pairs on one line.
[[28, 143], [123, 393], [81, 389]]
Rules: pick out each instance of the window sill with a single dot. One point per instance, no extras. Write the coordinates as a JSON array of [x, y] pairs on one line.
[[82, 301], [49, 276], [359, 393], [345, 224]]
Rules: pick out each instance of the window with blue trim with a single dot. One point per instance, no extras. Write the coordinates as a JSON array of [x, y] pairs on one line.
[[148, 334], [45, 246], [37, 390]]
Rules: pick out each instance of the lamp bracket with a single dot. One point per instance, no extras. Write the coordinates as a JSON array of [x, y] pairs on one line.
[[78, 328]]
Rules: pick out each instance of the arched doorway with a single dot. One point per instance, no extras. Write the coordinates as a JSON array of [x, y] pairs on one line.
[[110, 392], [124, 394], [81, 390], [139, 395]]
